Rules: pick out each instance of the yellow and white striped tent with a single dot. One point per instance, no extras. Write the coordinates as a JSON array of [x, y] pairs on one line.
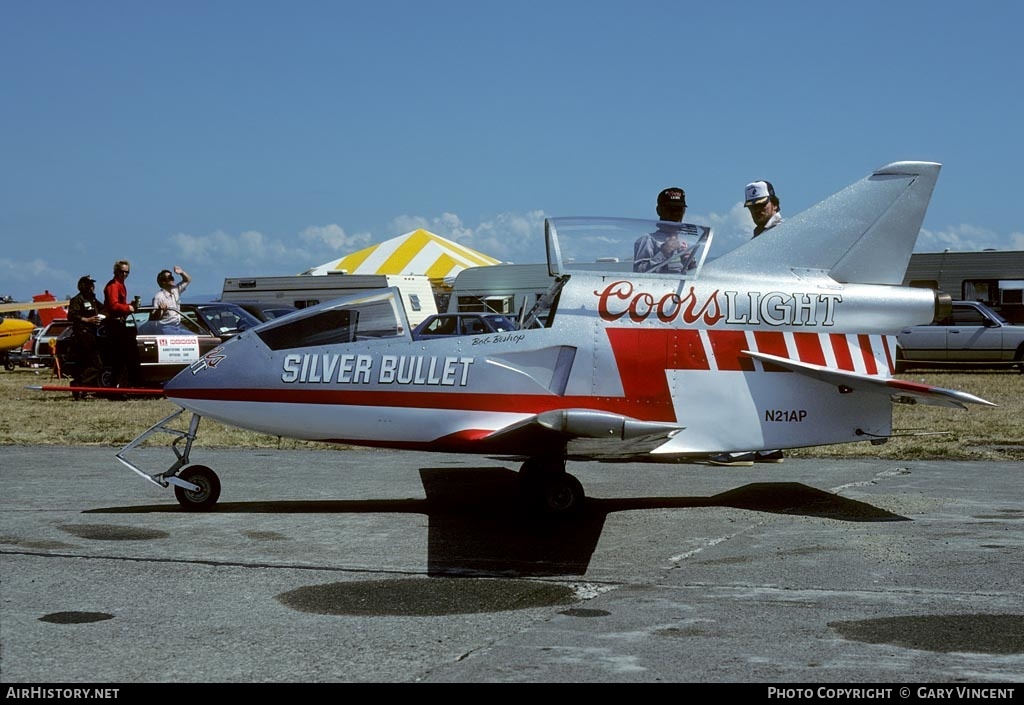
[[417, 252]]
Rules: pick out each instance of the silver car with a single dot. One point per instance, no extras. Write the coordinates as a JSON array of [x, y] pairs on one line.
[[972, 335]]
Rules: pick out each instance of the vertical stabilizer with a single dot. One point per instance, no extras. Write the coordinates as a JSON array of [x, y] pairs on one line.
[[865, 233]]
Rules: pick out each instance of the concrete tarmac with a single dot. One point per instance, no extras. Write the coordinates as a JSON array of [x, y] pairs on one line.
[[350, 566]]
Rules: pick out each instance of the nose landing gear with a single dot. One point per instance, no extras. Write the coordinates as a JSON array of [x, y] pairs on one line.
[[197, 487]]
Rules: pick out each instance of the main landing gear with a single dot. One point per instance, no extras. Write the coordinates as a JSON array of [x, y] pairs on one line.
[[549, 488], [196, 487]]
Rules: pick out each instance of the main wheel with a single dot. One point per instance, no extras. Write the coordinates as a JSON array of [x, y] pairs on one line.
[[559, 494], [1019, 358], [208, 493]]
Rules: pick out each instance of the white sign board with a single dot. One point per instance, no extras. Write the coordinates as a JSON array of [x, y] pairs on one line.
[[181, 349]]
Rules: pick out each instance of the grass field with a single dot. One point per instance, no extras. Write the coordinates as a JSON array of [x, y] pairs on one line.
[[30, 417]]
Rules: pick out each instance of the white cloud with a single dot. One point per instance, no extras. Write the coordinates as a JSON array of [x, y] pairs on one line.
[[510, 237], [335, 238], [732, 228], [213, 257], [966, 238], [255, 251], [23, 278]]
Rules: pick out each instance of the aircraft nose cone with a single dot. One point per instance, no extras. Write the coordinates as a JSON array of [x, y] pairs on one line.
[[180, 382]]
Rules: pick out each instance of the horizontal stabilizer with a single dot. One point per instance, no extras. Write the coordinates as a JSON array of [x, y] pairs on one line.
[[896, 389]]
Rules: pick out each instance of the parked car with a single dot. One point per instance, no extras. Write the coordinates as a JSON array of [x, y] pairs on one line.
[[22, 357], [444, 325], [972, 335], [220, 318], [161, 356], [37, 351], [265, 311]]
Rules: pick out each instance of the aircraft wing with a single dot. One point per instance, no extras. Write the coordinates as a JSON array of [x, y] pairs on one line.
[[896, 389], [587, 432], [32, 306]]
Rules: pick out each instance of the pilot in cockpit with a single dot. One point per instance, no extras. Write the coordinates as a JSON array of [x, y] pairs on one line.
[[663, 250]]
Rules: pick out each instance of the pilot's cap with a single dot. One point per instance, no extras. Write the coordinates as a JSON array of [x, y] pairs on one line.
[[672, 196], [758, 192], [85, 282]]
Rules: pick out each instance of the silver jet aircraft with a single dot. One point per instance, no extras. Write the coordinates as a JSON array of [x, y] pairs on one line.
[[786, 341]]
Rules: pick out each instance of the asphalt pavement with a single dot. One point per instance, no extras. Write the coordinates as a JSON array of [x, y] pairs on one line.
[[380, 566]]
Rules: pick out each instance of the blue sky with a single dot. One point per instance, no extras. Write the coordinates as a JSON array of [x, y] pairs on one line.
[[263, 138]]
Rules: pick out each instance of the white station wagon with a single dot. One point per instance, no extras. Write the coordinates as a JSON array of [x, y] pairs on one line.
[[972, 335]]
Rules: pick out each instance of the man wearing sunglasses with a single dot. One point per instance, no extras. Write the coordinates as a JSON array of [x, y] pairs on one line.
[[122, 353], [168, 300]]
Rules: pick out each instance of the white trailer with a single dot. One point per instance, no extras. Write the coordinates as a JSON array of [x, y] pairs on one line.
[[304, 290], [510, 289]]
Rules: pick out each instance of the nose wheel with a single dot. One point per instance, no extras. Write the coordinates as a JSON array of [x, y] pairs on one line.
[[207, 494], [549, 488]]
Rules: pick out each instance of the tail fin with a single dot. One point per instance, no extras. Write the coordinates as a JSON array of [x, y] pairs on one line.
[[865, 233]]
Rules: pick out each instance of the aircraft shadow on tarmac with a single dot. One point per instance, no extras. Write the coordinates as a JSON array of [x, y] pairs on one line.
[[478, 524]]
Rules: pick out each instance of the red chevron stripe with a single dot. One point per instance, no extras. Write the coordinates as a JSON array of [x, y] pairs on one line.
[[727, 346], [869, 358], [842, 351]]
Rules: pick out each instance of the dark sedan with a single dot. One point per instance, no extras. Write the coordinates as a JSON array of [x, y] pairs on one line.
[[161, 353], [265, 311], [220, 318], [445, 325]]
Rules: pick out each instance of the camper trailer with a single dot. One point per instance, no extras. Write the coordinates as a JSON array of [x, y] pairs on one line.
[[508, 289], [304, 290], [993, 277]]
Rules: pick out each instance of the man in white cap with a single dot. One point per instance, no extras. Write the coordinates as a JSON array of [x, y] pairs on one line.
[[763, 204]]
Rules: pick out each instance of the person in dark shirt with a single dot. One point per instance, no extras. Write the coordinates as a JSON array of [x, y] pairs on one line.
[[84, 314]]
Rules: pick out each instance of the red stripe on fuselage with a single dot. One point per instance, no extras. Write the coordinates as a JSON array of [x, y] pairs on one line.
[[865, 352], [808, 348], [728, 347], [456, 401], [841, 348], [772, 343], [888, 355]]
